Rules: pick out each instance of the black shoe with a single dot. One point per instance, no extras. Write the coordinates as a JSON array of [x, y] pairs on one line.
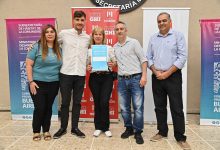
[[59, 133], [128, 132], [78, 133], [139, 139]]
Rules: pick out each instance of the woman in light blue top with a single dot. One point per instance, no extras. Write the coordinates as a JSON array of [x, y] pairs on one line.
[[43, 64]]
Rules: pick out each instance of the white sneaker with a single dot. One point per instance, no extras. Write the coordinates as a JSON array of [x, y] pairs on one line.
[[97, 133], [108, 133]]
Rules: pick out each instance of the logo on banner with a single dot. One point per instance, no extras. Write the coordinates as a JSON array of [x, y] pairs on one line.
[[91, 98], [109, 14], [111, 111], [124, 5], [216, 29], [109, 30], [95, 17], [83, 110]]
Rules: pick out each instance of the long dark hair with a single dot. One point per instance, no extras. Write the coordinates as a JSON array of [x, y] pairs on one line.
[[43, 42]]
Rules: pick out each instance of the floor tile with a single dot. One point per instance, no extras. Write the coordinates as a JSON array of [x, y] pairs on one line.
[[195, 145], [211, 133], [17, 135], [14, 130], [66, 143], [7, 141], [110, 143], [215, 144]]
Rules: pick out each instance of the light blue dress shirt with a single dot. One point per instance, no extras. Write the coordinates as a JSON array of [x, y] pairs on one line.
[[165, 51]]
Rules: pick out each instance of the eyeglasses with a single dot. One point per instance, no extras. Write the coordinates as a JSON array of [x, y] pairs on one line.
[[160, 21]]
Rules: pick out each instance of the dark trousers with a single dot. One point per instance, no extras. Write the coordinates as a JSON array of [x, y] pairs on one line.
[[43, 102], [101, 88], [69, 83], [171, 87]]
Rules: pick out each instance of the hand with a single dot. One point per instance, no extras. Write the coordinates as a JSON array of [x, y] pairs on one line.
[[110, 64], [163, 75], [143, 81], [30, 47], [158, 73], [33, 87], [89, 68]]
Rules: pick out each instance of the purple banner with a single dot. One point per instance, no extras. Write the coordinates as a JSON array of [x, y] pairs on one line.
[[210, 72]]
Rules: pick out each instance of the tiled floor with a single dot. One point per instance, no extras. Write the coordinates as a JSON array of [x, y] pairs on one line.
[[17, 135]]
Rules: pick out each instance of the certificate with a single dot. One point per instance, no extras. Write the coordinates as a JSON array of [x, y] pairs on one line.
[[99, 58]]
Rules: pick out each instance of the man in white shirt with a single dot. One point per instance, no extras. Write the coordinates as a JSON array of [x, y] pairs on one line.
[[75, 44]]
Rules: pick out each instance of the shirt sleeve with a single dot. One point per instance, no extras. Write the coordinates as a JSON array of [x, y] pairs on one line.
[[150, 54], [32, 53], [139, 51], [89, 53], [181, 51], [60, 37]]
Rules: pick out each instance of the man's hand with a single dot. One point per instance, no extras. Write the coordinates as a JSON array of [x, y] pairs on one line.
[[163, 75], [143, 81], [30, 47], [158, 73]]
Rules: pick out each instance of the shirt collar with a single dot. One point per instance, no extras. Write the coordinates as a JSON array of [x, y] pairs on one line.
[[169, 33], [76, 32], [126, 41]]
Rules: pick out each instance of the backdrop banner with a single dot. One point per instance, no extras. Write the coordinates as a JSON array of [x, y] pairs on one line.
[[180, 22], [105, 18], [20, 34], [210, 72]]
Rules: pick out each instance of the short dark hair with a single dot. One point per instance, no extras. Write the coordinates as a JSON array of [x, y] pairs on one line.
[[164, 13], [121, 22], [79, 14]]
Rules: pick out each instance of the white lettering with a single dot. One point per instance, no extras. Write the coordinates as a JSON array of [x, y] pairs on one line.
[[109, 41], [28, 105], [95, 19], [216, 109]]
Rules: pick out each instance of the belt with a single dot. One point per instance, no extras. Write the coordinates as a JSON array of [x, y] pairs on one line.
[[101, 72], [129, 76]]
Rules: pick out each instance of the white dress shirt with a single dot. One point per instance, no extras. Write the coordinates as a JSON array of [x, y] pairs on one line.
[[75, 49]]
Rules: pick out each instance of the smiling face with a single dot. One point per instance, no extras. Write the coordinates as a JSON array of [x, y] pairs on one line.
[[98, 37], [50, 35], [79, 23], [164, 23]]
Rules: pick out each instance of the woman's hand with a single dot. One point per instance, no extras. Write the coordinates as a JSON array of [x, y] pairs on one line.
[[89, 68], [33, 87], [111, 64]]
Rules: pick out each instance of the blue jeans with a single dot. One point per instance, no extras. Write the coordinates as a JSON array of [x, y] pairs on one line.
[[129, 90]]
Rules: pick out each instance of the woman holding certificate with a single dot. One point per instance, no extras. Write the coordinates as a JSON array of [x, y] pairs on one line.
[[101, 59]]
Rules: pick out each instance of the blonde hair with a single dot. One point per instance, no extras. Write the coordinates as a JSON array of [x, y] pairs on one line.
[[95, 30]]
